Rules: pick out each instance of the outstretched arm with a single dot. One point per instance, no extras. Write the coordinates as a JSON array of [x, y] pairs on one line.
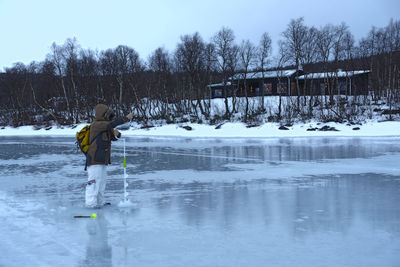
[[120, 121], [115, 123]]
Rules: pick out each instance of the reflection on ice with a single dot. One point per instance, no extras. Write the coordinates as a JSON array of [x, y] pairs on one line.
[[98, 250], [279, 202]]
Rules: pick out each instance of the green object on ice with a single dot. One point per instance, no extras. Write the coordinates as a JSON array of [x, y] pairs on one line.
[[124, 162], [93, 216]]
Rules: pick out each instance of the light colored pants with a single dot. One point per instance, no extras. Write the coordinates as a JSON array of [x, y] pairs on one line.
[[97, 176]]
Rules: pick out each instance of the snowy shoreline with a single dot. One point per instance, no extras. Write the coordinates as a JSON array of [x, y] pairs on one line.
[[229, 130]]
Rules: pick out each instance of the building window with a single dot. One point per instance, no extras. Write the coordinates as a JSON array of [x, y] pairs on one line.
[[268, 88], [322, 88], [282, 88], [342, 87]]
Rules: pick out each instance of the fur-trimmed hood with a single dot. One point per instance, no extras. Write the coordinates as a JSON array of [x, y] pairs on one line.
[[103, 113]]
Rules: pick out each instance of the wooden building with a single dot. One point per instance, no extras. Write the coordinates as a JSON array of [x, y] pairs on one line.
[[274, 83], [339, 83], [284, 82]]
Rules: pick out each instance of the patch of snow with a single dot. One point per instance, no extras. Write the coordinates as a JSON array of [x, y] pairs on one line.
[[229, 130]]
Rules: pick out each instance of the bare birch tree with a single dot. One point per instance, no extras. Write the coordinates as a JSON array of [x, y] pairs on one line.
[[191, 53], [293, 43], [224, 45], [247, 54], [263, 53], [58, 59]]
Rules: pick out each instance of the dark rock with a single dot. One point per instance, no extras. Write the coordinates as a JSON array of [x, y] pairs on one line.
[[146, 127], [252, 125], [187, 128], [312, 129], [283, 128], [327, 128], [48, 128], [324, 128], [356, 128], [219, 126]]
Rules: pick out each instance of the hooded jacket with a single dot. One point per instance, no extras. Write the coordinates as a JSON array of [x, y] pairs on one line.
[[101, 135]]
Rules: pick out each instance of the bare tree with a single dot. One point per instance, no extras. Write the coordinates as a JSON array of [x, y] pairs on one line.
[[127, 60], [325, 43], [224, 44], [292, 46], [349, 54], [263, 53], [309, 57], [71, 50], [391, 39], [233, 67], [247, 54], [210, 69], [33, 70], [280, 61], [120, 63], [58, 59], [341, 36], [160, 63], [191, 54], [89, 80]]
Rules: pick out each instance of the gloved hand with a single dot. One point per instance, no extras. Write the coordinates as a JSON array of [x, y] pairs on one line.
[[117, 133], [129, 116]]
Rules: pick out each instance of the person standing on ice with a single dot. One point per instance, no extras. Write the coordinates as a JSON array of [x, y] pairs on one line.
[[98, 156]]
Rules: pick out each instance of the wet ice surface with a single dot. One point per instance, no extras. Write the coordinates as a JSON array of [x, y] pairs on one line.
[[278, 202]]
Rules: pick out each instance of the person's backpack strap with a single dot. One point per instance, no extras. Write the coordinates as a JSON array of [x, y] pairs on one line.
[[96, 137]]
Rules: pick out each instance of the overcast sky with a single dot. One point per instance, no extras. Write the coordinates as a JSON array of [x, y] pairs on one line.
[[29, 27]]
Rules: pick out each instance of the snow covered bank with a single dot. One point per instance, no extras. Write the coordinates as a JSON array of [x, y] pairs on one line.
[[230, 130]]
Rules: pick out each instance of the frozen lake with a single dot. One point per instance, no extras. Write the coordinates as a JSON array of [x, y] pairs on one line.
[[204, 202]]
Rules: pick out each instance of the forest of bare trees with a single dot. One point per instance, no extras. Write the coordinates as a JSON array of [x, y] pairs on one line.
[[172, 85]]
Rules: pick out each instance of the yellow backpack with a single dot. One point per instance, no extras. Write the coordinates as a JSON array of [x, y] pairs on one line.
[[82, 139]]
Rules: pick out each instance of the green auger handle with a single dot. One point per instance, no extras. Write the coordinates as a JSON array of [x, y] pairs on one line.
[[93, 216]]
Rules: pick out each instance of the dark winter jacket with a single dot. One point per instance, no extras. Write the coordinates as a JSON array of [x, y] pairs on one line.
[[101, 135]]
